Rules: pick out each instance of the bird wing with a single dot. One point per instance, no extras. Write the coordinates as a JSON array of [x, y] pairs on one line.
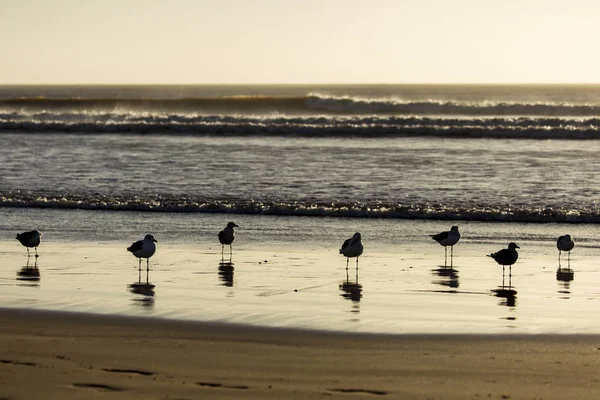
[[498, 255], [560, 239], [222, 237], [346, 244], [440, 236], [137, 246]]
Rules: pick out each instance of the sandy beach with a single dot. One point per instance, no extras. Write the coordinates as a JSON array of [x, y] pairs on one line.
[[54, 355], [288, 322]]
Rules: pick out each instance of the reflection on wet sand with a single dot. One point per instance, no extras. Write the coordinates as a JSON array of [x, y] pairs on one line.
[[352, 290], [226, 272], [29, 273], [146, 292], [507, 292], [448, 276], [565, 276], [145, 289]]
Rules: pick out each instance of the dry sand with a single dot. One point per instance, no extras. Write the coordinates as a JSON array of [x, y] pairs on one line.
[[52, 355]]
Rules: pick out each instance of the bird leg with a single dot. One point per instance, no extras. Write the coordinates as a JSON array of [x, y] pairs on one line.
[[347, 261], [147, 270], [222, 250], [28, 255], [445, 256], [36, 254], [559, 258], [451, 256]]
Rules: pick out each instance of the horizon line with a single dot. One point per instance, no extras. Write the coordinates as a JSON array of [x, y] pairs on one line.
[[305, 84]]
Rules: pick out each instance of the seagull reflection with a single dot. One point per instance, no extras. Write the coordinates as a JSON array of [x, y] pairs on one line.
[[226, 272], [506, 292], [146, 294], [352, 289], [29, 272], [565, 276], [448, 275], [145, 289]]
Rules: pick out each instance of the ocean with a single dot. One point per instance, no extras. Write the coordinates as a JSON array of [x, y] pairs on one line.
[[300, 168]]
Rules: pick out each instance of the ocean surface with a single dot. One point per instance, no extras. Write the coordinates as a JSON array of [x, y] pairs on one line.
[[302, 168]]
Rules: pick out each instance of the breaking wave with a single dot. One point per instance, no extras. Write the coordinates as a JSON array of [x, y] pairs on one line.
[[315, 126], [175, 204], [311, 104]]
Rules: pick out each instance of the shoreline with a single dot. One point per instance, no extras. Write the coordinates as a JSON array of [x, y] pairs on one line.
[[227, 328], [72, 356], [189, 326]]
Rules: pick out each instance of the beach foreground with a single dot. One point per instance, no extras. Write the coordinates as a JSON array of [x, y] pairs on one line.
[[58, 355]]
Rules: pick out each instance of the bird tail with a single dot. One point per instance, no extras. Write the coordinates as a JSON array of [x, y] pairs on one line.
[[129, 249], [490, 255]]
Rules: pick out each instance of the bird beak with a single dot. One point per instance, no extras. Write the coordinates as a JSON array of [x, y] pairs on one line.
[[518, 247], [237, 226], [155, 241]]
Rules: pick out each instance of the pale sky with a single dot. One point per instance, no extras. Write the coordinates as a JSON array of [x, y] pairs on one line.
[[299, 41]]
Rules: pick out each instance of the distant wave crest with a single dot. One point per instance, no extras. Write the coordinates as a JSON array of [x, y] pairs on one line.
[[311, 126], [311, 104], [175, 204]]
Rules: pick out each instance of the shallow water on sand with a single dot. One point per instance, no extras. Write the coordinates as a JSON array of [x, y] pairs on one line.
[[286, 272]]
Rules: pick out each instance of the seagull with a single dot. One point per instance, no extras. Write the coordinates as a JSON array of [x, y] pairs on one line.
[[507, 256], [30, 239], [448, 238], [144, 249], [352, 247], [565, 243], [227, 236]]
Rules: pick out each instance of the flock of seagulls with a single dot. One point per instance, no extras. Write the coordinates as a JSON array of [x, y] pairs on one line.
[[351, 248]]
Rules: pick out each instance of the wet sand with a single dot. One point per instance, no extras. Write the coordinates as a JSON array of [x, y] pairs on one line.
[[400, 290], [55, 355]]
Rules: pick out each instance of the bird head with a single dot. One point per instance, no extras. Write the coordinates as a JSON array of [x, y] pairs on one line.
[[513, 245], [232, 225], [454, 228], [151, 238]]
